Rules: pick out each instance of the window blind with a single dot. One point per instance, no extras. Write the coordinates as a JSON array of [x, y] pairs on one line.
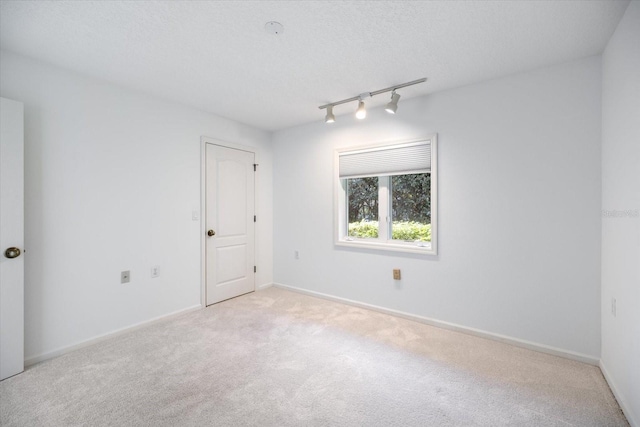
[[399, 159]]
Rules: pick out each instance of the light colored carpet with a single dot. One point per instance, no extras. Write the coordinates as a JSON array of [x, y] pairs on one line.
[[277, 358]]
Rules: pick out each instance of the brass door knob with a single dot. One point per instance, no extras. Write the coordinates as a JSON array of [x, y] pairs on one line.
[[12, 252], [211, 233]]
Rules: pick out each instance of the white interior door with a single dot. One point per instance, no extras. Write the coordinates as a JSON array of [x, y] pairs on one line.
[[11, 238], [230, 210]]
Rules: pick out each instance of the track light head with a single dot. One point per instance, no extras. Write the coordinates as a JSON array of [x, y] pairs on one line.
[[392, 106], [361, 112], [329, 118]]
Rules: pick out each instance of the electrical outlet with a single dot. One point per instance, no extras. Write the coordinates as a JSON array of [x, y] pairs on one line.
[[613, 307], [125, 276], [396, 274], [296, 254], [155, 271]]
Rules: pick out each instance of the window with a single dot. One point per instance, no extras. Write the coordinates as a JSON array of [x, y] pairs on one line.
[[386, 196]]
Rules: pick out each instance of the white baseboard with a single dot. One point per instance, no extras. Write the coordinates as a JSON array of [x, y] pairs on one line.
[[452, 326], [633, 420], [63, 350], [264, 286]]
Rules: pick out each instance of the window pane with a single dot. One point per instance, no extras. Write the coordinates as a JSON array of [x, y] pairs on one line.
[[362, 198], [411, 207]]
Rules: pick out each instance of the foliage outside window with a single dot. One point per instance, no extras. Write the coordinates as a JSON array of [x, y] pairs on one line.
[[362, 194], [388, 209]]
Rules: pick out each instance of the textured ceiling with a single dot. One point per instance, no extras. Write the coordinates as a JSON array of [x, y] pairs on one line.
[[216, 55]]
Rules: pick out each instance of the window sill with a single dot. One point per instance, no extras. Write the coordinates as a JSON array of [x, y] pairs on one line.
[[393, 247]]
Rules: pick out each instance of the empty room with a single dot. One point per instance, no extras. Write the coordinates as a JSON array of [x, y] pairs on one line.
[[320, 213]]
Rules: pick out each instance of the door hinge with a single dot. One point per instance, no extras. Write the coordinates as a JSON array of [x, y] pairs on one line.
[[255, 269], [255, 167], [254, 218]]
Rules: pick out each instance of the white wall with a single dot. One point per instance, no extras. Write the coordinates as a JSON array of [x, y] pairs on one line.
[[621, 212], [519, 186], [112, 177]]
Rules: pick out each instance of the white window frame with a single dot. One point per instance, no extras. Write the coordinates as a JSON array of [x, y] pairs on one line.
[[384, 241]]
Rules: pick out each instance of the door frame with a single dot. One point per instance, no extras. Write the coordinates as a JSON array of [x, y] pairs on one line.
[[204, 140]]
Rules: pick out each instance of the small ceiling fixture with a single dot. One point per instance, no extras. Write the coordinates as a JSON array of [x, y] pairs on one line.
[[361, 112], [273, 27]]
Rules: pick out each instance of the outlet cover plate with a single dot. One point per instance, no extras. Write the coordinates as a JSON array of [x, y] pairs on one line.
[[125, 276]]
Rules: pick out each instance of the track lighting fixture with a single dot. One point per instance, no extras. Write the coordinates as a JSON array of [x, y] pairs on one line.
[[361, 112], [392, 106], [329, 118]]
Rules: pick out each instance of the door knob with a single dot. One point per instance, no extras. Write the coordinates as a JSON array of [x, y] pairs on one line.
[[12, 252], [211, 233]]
